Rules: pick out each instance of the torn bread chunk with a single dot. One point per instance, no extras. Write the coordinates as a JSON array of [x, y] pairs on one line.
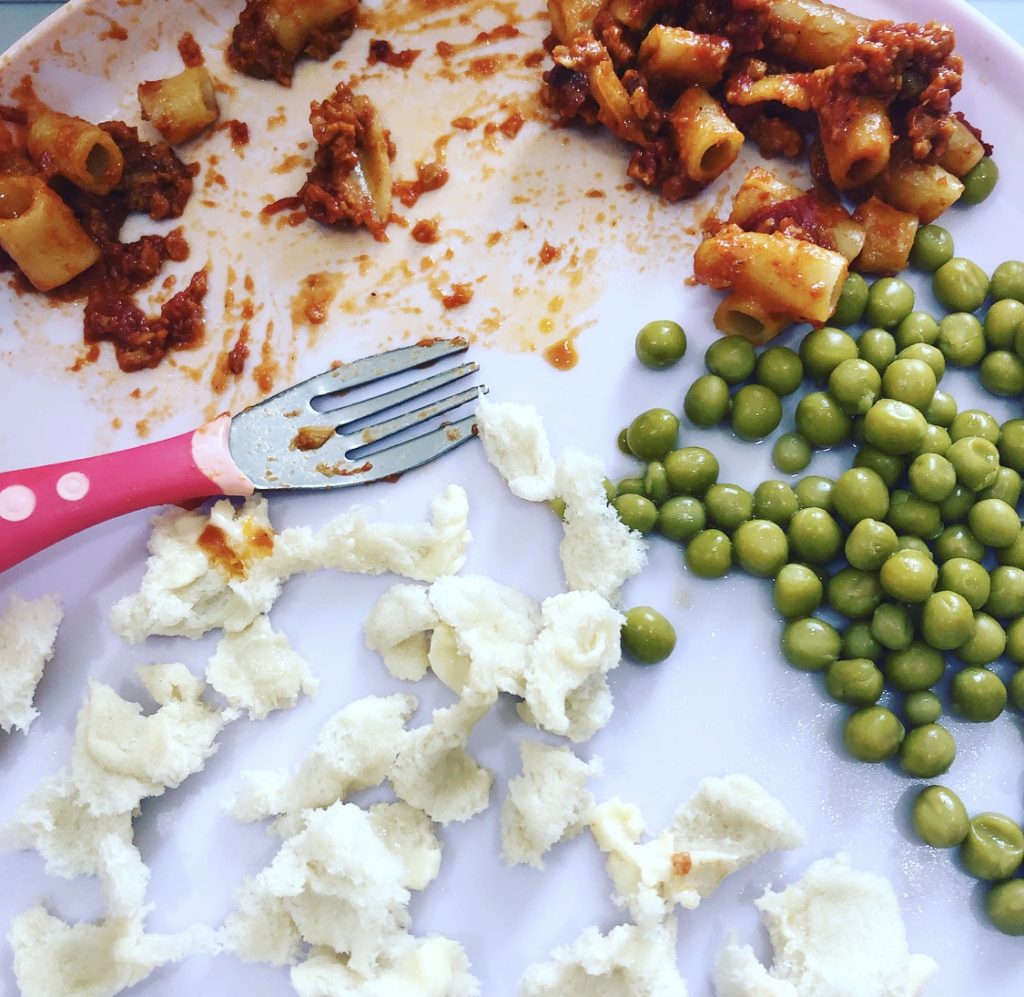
[[408, 834], [516, 443], [256, 670], [121, 756], [836, 931], [578, 644], [599, 552], [397, 628], [627, 962], [354, 750], [27, 634], [547, 803], [413, 967], [433, 771], [728, 823]]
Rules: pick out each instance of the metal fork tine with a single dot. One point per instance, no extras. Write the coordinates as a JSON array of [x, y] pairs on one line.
[[418, 451], [382, 430]]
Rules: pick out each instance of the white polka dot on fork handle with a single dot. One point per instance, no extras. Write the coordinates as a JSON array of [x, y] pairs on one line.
[[73, 486], [17, 503]]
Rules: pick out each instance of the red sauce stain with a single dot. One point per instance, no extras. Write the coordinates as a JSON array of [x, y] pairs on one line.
[[594, 192], [239, 353], [425, 230], [189, 50], [464, 124], [461, 294], [562, 355], [340, 470], [266, 371], [512, 124], [382, 51], [239, 133], [549, 253], [429, 176], [258, 542]]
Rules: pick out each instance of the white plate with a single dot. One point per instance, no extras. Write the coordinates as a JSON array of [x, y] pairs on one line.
[[725, 702]]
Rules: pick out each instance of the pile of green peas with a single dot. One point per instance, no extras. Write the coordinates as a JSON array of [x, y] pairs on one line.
[[915, 553]]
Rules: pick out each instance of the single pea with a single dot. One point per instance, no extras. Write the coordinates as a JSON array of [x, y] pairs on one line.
[[1014, 554], [660, 344], [890, 301], [853, 593], [637, 512], [856, 681], [557, 506], [1001, 322], [957, 541], [927, 751], [956, 507], [780, 369], [967, 578], [909, 576], [910, 381], [1004, 906], [656, 482], [904, 541], [814, 536], [707, 401], [939, 817], [824, 349], [855, 385], [873, 734], [994, 522], [728, 505], [732, 358], [915, 668], [1002, 373], [775, 501], [853, 298], [960, 285], [942, 410], [1008, 280], [709, 554], [974, 422], [1015, 649], [791, 453], [877, 347], [821, 420], [1011, 444], [756, 412], [859, 642], [631, 485], [761, 547], [920, 708], [623, 443], [681, 518], [889, 467], [1006, 592], [797, 591], [993, 847], [892, 626], [947, 620], [1015, 689], [977, 694], [653, 433], [815, 492], [961, 339], [936, 441], [894, 427], [975, 460], [917, 327], [647, 636], [869, 544], [1007, 487], [691, 470], [979, 181], [910, 515], [930, 355], [933, 246], [986, 644], [932, 477], [860, 493]]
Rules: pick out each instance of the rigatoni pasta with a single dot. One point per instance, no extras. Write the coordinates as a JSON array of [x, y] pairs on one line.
[[181, 106], [75, 149]]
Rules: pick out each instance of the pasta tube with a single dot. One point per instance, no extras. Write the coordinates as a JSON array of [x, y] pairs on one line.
[[181, 106], [615, 112], [889, 237], [76, 149], [857, 138], [811, 33], [706, 139], [923, 189], [684, 56], [737, 316], [963, 151], [293, 22], [572, 18], [39, 232]]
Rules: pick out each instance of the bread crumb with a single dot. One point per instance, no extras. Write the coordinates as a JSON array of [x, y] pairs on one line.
[[27, 634], [516, 443], [407, 833], [397, 629]]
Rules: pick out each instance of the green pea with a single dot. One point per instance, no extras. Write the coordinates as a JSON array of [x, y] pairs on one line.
[[993, 848], [853, 593], [933, 246], [975, 460], [962, 339], [915, 668], [910, 381], [732, 358], [653, 433], [1015, 648], [1004, 906], [853, 299], [1006, 592], [797, 591], [860, 493], [1016, 690], [892, 626], [821, 420], [930, 355], [1002, 373], [994, 522], [856, 681], [810, 644], [917, 327], [910, 515], [979, 181], [631, 485], [1014, 554], [761, 547], [967, 578], [647, 637], [709, 554], [780, 369], [822, 350], [894, 427], [889, 467], [960, 285], [947, 620], [1008, 280], [855, 385], [986, 644], [909, 576], [791, 453], [932, 477], [815, 492], [869, 544], [920, 708], [1001, 322], [955, 508], [956, 543], [1006, 487], [622, 443], [974, 422], [927, 751], [775, 501], [756, 412], [977, 694], [877, 347], [916, 544], [656, 482], [942, 410], [939, 817], [637, 512], [814, 536], [890, 300], [557, 506], [707, 401], [728, 505], [681, 517], [873, 734], [936, 441], [859, 642], [1011, 444], [660, 344], [691, 470]]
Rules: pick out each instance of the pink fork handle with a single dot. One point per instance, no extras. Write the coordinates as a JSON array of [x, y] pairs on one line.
[[41, 505]]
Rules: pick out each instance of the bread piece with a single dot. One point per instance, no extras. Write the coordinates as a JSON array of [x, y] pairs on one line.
[[549, 802], [516, 443], [627, 962], [27, 634], [408, 834], [836, 931]]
